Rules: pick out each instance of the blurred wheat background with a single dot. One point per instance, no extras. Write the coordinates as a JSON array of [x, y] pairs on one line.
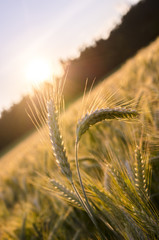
[[118, 162]]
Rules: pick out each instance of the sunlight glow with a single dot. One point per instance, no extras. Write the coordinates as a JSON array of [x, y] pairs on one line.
[[38, 70]]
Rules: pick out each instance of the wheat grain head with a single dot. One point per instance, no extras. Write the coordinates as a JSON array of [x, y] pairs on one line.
[[56, 140], [103, 114], [68, 194]]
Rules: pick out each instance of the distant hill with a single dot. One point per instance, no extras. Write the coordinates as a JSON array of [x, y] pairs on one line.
[[138, 28]]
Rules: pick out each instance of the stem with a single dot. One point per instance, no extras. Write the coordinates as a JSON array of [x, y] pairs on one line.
[[79, 175], [81, 200], [87, 210], [87, 205]]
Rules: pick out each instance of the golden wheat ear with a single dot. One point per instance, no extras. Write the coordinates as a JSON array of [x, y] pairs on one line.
[[56, 140], [66, 193], [103, 114], [140, 179]]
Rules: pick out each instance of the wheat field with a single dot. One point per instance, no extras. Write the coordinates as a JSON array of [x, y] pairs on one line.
[[99, 179]]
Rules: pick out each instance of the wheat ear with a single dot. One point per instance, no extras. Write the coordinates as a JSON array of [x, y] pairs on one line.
[[68, 194], [56, 140], [140, 180], [103, 114]]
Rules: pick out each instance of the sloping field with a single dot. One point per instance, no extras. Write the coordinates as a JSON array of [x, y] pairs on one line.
[[135, 75], [116, 180], [10, 160]]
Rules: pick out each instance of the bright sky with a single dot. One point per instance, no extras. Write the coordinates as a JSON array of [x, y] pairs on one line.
[[48, 31]]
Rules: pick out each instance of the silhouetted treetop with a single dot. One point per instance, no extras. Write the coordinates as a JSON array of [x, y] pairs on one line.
[[138, 27]]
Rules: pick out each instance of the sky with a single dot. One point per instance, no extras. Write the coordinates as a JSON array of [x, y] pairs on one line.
[[49, 30]]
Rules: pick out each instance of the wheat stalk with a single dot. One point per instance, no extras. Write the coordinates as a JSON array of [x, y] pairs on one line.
[[56, 140], [60, 152], [91, 119], [103, 114]]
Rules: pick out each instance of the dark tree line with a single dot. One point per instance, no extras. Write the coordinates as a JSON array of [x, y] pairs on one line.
[[14, 123], [138, 28], [18, 120]]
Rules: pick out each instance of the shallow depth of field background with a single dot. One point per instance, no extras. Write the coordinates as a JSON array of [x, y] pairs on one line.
[[125, 63]]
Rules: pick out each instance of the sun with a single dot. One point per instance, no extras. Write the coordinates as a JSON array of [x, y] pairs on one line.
[[38, 70]]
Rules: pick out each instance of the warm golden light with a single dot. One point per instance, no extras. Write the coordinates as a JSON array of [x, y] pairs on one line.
[[38, 70]]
